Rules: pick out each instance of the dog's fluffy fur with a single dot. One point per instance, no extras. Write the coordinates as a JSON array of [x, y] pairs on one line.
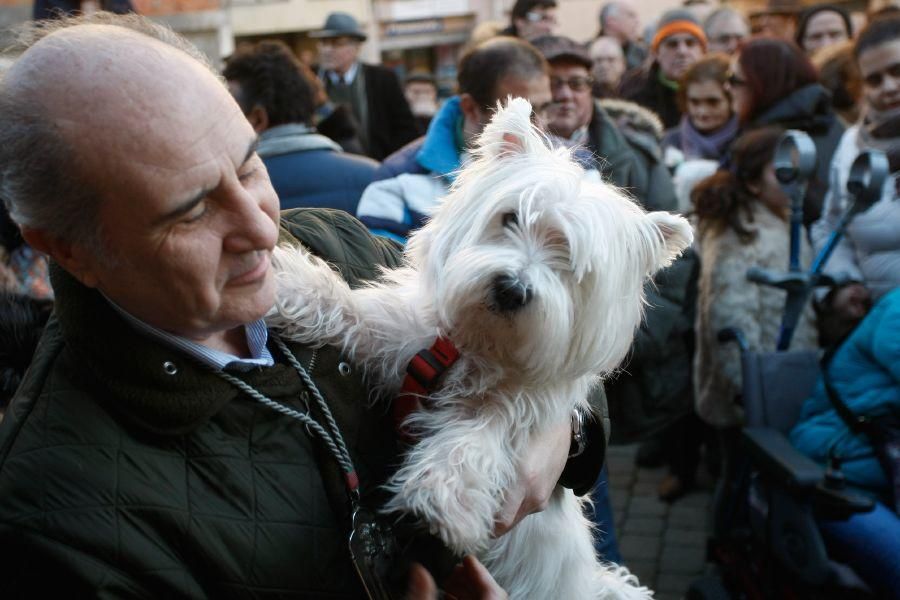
[[522, 214]]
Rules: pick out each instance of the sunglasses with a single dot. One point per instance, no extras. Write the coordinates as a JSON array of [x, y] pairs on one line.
[[576, 84]]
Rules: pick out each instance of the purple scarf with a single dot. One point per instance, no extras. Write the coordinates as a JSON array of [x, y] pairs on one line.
[[711, 146]]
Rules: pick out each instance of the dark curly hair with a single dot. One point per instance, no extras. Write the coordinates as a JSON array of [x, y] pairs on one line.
[[723, 198], [270, 76]]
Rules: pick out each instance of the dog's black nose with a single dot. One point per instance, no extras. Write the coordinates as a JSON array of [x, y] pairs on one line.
[[510, 293]]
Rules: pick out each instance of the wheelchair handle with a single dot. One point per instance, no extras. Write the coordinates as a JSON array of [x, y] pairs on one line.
[[795, 157], [867, 176]]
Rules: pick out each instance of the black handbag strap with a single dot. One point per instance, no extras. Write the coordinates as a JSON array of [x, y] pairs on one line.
[[854, 422]]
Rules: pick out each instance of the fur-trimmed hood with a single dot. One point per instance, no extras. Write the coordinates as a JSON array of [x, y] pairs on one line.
[[640, 125], [633, 116]]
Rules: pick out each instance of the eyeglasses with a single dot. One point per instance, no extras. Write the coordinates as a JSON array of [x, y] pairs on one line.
[[576, 84], [537, 17], [735, 81]]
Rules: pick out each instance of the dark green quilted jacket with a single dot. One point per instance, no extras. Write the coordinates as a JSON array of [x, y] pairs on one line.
[[121, 480]]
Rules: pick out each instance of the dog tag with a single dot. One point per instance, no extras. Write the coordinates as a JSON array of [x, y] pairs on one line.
[[373, 550]]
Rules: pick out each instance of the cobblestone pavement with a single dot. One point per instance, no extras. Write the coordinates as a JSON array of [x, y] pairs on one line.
[[663, 544]]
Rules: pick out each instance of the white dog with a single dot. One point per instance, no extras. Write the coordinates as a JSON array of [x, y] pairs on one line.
[[536, 276]]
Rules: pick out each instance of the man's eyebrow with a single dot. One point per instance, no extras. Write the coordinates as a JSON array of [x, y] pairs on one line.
[[188, 205]]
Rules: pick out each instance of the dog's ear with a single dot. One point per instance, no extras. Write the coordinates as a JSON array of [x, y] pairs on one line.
[[510, 132], [677, 234]]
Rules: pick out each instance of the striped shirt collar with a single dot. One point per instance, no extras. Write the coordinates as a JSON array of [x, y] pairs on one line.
[[256, 332]]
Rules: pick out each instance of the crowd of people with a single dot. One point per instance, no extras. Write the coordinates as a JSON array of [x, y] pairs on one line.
[[155, 297]]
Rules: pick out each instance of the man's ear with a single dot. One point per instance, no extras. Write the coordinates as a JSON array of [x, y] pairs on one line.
[[259, 118], [470, 109], [71, 256]]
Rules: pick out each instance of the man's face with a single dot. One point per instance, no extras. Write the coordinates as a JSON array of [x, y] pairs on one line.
[[537, 22], [708, 107], [677, 53], [880, 70], [338, 54], [422, 97], [188, 215], [609, 62], [781, 26], [825, 28], [726, 34], [623, 23], [572, 107]]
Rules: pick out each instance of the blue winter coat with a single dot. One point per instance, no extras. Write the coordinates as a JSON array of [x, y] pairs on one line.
[[411, 182], [310, 170], [865, 371]]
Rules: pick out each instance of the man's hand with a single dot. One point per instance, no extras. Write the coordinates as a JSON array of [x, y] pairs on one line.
[[539, 472], [469, 581]]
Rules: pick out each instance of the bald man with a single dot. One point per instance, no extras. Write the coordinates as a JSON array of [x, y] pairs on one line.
[[620, 20], [608, 66], [161, 443]]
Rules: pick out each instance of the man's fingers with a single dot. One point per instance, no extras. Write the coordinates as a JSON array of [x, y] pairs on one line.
[[539, 472], [421, 584], [471, 581]]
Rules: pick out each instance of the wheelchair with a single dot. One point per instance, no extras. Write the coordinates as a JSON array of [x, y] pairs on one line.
[[765, 540]]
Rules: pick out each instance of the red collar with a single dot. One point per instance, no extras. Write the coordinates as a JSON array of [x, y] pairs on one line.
[[422, 376]]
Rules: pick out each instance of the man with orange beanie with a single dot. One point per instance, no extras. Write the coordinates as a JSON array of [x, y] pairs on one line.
[[678, 43]]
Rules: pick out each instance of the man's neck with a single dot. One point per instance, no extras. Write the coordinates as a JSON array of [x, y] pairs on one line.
[[232, 341], [342, 71]]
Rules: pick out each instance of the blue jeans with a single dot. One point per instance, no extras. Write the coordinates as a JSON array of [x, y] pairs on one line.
[[870, 544], [605, 544]]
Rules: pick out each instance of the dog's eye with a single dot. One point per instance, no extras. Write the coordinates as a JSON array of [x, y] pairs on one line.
[[510, 219]]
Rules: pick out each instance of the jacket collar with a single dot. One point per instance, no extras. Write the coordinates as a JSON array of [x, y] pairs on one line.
[[442, 150], [805, 108], [150, 384], [292, 137]]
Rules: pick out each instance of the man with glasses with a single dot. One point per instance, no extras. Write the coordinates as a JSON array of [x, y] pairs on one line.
[[371, 91], [629, 157], [532, 18], [678, 43]]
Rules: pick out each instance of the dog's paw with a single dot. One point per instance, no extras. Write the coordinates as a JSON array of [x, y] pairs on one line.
[[462, 517]]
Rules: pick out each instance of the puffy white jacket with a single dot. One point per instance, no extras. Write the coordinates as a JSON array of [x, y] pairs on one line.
[[870, 249]]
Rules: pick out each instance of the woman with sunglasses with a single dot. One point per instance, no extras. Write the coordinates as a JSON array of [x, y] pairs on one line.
[[773, 83]]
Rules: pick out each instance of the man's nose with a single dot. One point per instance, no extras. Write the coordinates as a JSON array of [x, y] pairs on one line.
[[254, 224], [562, 92]]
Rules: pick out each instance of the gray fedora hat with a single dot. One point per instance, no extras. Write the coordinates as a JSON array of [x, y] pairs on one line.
[[340, 24]]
